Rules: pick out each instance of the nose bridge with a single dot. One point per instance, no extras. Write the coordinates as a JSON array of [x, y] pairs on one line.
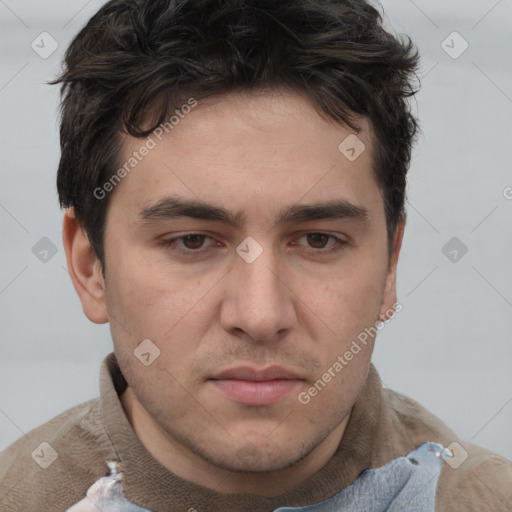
[[259, 303], [257, 274]]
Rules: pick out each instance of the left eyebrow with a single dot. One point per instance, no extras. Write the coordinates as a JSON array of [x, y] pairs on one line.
[[330, 210], [174, 207]]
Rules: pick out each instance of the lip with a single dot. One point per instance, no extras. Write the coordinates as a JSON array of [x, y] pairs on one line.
[[251, 386], [254, 374]]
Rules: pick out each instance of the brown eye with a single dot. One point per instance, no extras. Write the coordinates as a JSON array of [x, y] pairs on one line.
[[191, 244], [193, 241], [321, 244], [318, 240]]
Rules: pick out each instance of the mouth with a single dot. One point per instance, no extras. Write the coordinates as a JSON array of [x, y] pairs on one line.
[[250, 386]]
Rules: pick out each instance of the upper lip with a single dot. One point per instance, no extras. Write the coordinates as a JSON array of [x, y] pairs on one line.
[[255, 374]]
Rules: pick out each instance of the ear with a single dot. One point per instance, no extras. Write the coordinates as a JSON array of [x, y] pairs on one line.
[[389, 299], [85, 269]]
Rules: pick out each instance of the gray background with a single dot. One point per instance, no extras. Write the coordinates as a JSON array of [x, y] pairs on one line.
[[449, 348]]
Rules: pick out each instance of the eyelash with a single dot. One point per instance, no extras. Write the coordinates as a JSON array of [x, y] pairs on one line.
[[172, 243]]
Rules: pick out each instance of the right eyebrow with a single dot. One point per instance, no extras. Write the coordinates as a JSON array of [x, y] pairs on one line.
[[173, 207]]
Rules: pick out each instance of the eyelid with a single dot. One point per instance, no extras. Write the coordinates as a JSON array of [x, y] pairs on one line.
[[169, 242], [339, 243], [174, 241]]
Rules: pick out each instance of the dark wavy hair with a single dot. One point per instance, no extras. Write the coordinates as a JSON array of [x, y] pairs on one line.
[[136, 61]]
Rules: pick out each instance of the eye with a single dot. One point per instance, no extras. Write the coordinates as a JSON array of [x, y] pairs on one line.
[[192, 242], [318, 241]]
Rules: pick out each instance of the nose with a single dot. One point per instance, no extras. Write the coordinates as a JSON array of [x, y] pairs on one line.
[[259, 303]]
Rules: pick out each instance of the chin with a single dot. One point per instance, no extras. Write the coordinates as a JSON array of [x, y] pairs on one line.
[[262, 465], [254, 457]]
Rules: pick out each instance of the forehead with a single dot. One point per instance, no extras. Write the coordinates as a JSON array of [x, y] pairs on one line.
[[247, 148]]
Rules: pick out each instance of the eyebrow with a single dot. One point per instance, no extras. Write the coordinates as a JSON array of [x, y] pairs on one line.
[[174, 207]]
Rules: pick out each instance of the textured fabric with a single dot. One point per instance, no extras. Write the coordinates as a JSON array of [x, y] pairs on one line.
[[383, 426], [106, 495], [407, 483]]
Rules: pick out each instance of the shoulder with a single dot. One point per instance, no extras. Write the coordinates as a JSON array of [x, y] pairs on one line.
[[474, 479], [53, 464]]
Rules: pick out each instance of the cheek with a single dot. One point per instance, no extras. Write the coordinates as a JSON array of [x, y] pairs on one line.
[[141, 300], [328, 399], [144, 304], [350, 307], [133, 306], [159, 388], [352, 301]]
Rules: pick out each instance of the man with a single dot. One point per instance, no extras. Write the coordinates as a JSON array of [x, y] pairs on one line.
[[234, 177]]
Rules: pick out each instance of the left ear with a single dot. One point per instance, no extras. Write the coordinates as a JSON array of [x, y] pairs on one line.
[[389, 296]]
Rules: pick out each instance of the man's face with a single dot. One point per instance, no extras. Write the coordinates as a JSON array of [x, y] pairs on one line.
[[220, 313]]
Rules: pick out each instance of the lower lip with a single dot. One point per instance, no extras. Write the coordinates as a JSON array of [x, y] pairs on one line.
[[249, 392]]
